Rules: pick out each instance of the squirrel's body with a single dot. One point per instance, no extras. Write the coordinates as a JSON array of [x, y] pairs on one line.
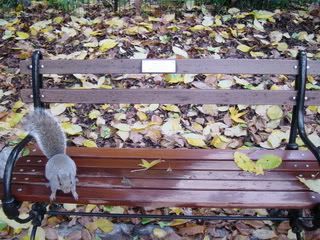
[[60, 168]]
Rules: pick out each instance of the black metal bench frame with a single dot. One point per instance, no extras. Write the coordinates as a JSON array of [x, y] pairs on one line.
[[298, 222]]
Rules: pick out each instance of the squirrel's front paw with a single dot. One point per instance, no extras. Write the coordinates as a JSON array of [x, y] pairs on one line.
[[53, 196]]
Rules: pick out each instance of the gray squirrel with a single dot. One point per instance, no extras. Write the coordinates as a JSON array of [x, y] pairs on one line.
[[60, 169]]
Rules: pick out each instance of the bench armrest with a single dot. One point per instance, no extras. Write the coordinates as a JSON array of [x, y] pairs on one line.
[[10, 204]]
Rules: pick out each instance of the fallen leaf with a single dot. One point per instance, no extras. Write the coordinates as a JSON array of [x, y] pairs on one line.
[[235, 115], [312, 184], [105, 225], [243, 48], [71, 129], [246, 164], [89, 143], [147, 165], [94, 114], [170, 108], [22, 35], [195, 140], [107, 44], [269, 161], [180, 52], [274, 112]]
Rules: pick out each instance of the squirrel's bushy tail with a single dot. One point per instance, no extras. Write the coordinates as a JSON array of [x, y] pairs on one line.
[[44, 127]]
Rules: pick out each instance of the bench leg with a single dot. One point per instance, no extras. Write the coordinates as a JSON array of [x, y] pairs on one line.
[[38, 211]]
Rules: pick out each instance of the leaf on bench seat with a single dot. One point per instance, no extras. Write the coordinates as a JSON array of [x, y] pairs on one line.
[[312, 184], [269, 161], [147, 165], [246, 164]]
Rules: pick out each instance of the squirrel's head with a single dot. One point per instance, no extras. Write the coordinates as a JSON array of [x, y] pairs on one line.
[[66, 182]]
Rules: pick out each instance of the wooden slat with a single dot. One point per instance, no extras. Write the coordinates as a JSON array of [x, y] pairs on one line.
[[194, 66], [169, 198], [177, 174], [185, 184], [179, 153], [176, 96], [223, 165]]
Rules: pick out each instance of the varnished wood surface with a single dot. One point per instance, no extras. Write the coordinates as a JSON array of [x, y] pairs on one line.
[[176, 96], [187, 177], [183, 66]]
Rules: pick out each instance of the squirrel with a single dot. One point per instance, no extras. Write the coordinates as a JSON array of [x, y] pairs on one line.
[[60, 169]]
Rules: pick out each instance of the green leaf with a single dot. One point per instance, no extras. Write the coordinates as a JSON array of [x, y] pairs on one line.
[[3, 225], [22, 35], [269, 161]]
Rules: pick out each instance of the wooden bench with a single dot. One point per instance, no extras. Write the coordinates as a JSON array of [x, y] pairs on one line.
[[199, 177]]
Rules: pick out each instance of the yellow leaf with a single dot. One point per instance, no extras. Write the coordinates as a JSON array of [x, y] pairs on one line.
[[176, 210], [94, 114], [177, 222], [90, 207], [142, 116], [58, 20], [89, 143], [17, 105], [282, 46], [220, 142], [116, 22], [274, 112], [195, 140], [147, 165], [197, 28], [136, 30], [246, 164], [243, 48], [22, 35], [107, 44], [14, 119], [105, 225], [262, 14], [235, 115], [257, 54], [71, 129], [174, 78], [170, 108]]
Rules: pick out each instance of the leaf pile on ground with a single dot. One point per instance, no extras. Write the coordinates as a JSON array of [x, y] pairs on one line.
[[95, 32]]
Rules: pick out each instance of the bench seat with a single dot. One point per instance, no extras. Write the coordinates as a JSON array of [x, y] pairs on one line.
[[186, 177]]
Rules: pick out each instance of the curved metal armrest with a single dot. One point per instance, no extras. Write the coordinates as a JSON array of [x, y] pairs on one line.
[[10, 204], [300, 106]]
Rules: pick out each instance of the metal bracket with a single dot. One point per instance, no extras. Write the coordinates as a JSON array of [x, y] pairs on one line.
[[37, 82], [297, 125]]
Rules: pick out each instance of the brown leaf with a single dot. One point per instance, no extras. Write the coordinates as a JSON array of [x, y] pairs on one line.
[[255, 224], [243, 228], [192, 230], [85, 235]]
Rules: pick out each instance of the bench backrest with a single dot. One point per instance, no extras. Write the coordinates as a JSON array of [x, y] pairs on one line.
[[175, 96]]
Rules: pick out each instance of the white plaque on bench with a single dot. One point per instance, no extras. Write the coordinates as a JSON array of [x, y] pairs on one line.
[[158, 66]]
